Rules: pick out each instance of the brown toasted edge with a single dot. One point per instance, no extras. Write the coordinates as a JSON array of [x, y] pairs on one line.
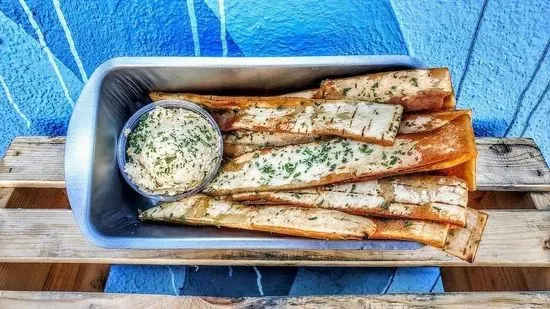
[[463, 242]]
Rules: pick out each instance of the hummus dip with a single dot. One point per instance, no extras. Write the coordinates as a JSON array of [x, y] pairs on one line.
[[171, 151]]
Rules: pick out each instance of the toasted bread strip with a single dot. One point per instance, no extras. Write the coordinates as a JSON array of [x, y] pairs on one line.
[[463, 242], [429, 233], [224, 103], [231, 151], [423, 89], [338, 160], [362, 121], [425, 122], [287, 220], [466, 171], [267, 139], [308, 94], [422, 197], [237, 143], [415, 90]]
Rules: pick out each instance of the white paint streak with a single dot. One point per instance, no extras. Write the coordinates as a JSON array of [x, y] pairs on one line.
[[230, 272], [259, 280], [46, 50], [69, 38], [223, 38], [173, 278], [12, 102], [194, 29]]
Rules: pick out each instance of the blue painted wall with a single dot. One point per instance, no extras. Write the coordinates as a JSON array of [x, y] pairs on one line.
[[497, 50]]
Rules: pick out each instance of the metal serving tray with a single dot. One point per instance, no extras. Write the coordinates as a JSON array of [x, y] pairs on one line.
[[106, 208]]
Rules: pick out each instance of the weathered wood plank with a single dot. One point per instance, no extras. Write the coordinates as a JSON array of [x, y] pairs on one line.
[[12, 299], [482, 279], [5, 194], [541, 200], [45, 276], [514, 164], [511, 238], [34, 162]]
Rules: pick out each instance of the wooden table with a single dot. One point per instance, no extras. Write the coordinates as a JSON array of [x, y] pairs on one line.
[[517, 236]]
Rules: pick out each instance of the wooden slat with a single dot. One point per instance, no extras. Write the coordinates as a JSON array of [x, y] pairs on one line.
[[46, 276], [482, 279], [12, 299], [511, 238], [503, 164], [5, 194], [514, 164], [34, 162]]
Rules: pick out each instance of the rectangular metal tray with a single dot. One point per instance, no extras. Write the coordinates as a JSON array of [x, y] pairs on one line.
[[106, 208]]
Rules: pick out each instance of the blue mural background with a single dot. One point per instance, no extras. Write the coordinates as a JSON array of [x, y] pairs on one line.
[[497, 51]]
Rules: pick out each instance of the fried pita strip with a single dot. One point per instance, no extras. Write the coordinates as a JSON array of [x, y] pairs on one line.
[[422, 197], [287, 220], [415, 90], [429, 233], [234, 150], [425, 122], [267, 139], [308, 94], [463, 242], [466, 171], [339, 160], [237, 143], [363, 121], [235, 103]]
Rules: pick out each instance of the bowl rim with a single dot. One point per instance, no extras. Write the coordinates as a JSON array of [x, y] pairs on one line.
[[130, 124]]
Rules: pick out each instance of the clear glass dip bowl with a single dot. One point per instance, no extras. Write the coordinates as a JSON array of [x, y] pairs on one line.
[[132, 123]]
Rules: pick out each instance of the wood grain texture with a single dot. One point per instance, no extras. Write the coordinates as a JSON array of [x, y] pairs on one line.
[[45, 276], [12, 299], [34, 162], [487, 279], [53, 277], [512, 238], [514, 164], [459, 279], [5, 194], [50, 198], [541, 200]]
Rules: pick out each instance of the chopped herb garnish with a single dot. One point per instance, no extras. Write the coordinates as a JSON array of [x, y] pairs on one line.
[[365, 149], [345, 90]]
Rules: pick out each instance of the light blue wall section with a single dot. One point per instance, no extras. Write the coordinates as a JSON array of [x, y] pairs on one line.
[[497, 50], [309, 27], [35, 91]]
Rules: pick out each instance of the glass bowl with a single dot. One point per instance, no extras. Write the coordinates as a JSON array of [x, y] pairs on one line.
[[132, 123]]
